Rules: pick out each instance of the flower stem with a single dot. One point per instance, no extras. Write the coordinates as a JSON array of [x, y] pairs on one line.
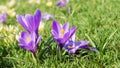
[[34, 57], [59, 48]]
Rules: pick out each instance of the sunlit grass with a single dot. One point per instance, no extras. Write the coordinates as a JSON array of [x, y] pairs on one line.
[[96, 20]]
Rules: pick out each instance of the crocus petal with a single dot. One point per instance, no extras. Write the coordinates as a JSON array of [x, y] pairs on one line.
[[72, 31], [38, 40], [56, 26], [81, 43], [66, 37], [24, 34], [84, 45], [73, 37], [66, 27], [72, 51], [37, 18], [89, 48], [69, 34], [60, 41], [19, 18], [29, 46], [55, 35], [33, 36], [29, 20], [22, 41]]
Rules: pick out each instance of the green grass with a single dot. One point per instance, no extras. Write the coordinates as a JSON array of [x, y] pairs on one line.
[[96, 20]]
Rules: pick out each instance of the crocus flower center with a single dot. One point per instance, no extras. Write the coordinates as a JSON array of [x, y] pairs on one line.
[[61, 33], [28, 39], [69, 46]]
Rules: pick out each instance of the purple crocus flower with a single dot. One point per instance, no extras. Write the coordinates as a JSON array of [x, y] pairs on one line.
[[3, 18], [62, 3], [62, 33], [29, 41], [72, 46], [46, 16], [29, 22]]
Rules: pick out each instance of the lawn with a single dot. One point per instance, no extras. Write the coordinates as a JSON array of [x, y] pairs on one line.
[[97, 21]]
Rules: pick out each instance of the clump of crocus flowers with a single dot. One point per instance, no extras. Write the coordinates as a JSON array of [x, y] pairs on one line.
[[65, 37], [29, 40], [62, 34]]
